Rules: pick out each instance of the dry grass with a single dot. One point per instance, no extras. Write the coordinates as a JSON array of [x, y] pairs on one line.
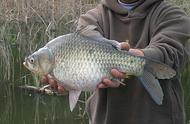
[[26, 25], [5, 63]]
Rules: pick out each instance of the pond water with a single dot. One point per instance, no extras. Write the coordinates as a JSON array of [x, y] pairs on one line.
[[23, 107]]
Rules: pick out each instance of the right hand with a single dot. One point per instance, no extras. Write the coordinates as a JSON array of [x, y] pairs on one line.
[[116, 73], [105, 83], [53, 83]]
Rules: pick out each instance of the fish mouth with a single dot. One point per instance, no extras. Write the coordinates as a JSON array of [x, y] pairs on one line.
[[25, 63]]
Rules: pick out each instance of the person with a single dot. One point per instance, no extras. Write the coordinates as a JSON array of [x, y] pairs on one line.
[[155, 29]]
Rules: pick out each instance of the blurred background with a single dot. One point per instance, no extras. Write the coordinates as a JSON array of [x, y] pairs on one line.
[[25, 26]]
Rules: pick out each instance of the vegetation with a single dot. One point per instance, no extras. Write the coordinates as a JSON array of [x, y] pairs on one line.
[[26, 25]]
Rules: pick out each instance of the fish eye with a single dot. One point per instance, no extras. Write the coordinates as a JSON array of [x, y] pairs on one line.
[[32, 60]]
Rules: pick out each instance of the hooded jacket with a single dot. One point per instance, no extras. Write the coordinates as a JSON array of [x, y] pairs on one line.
[[160, 30]]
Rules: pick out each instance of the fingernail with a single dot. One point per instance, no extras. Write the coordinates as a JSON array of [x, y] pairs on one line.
[[105, 80], [125, 45]]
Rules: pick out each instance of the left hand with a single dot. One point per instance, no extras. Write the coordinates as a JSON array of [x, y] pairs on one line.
[[53, 83], [117, 74]]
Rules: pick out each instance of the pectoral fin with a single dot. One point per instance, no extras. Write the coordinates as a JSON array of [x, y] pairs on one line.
[[73, 98], [152, 86]]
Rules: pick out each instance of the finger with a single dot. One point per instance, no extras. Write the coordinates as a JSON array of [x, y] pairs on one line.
[[44, 79], [101, 85], [117, 74], [60, 89], [137, 52], [109, 83], [125, 45], [53, 83]]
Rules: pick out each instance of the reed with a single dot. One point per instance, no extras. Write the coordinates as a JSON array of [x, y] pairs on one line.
[[5, 62]]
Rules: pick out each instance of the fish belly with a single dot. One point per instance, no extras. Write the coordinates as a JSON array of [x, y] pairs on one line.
[[80, 75]]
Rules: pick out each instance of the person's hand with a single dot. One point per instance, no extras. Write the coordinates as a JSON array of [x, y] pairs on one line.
[[136, 52], [53, 83], [117, 74]]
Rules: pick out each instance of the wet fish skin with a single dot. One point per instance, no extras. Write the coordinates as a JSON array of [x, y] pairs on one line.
[[80, 63]]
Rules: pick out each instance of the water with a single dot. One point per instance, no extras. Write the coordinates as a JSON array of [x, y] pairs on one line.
[[23, 107]]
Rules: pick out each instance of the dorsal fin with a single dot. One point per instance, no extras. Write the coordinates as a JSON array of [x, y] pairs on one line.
[[91, 32]]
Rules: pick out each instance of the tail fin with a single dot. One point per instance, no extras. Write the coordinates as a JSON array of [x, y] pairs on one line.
[[152, 72], [159, 70]]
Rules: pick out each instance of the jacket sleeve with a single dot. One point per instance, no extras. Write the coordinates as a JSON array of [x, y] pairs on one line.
[[170, 32], [90, 25], [92, 17]]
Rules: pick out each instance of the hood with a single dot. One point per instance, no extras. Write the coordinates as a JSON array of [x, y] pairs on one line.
[[142, 7]]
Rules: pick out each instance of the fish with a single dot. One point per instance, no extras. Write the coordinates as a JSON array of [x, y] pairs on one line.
[[80, 62]]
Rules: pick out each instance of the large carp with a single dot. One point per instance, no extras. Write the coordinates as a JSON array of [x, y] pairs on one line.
[[80, 63]]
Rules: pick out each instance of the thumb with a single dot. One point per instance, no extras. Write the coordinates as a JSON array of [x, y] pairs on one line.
[[125, 45]]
